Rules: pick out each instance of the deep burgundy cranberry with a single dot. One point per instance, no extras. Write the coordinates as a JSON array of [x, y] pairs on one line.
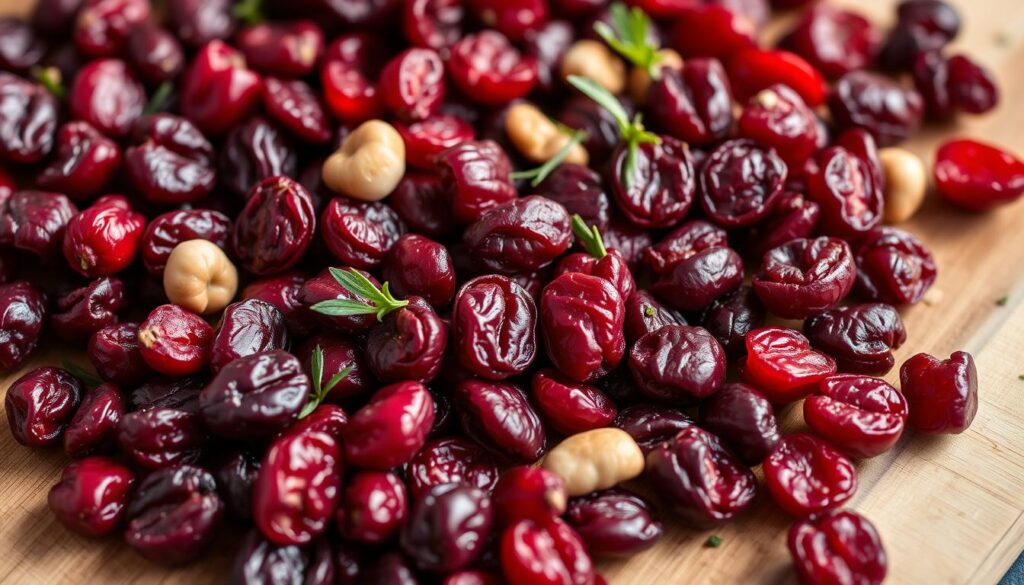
[[778, 118], [22, 316], [35, 221], [155, 53], [860, 415], [283, 291], [744, 419], [571, 407], [753, 69], [528, 492], [297, 108], [805, 475], [246, 328], [922, 26], [614, 522], [105, 238], [391, 428], [30, 120], [547, 551], [522, 236], [172, 162], [804, 277], [501, 418], [107, 95], [860, 338], [174, 514], [478, 178], [198, 22], [695, 282], [489, 69], [683, 242], [448, 527], [217, 90], [677, 363], [85, 162], [548, 44], [781, 364], [169, 229], [409, 344], [255, 396], [661, 188], [651, 425], [93, 428], [581, 113], [516, 19], [422, 201], [174, 341], [390, 567], [339, 353], [699, 479], [275, 228], [348, 76], [55, 18], [451, 460], [287, 49], [323, 287], [894, 267], [971, 87], [840, 546], [834, 40], [711, 30], [731, 317], [40, 404], [235, 478], [373, 507], [693, 104], [253, 151], [88, 309], [582, 325], [102, 26], [261, 561], [740, 183], [177, 393], [942, 395], [159, 436], [91, 495], [645, 313], [611, 266], [435, 24], [494, 324], [883, 107], [977, 176], [359, 234], [845, 188], [114, 352], [419, 266], [581, 191], [21, 48], [795, 216]]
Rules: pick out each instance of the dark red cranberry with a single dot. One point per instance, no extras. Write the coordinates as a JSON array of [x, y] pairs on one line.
[[494, 324], [40, 404], [412, 85], [91, 495], [348, 76], [859, 337], [448, 527], [711, 30], [846, 189], [326, 418], [699, 479], [35, 221], [275, 228], [971, 87], [155, 53], [172, 162], [522, 236], [977, 176], [55, 18], [516, 19], [581, 113], [22, 316], [834, 40], [740, 183], [677, 363], [106, 94], [778, 118], [177, 393], [339, 353], [645, 313], [695, 282], [261, 561], [545, 552], [860, 415], [287, 49], [198, 22], [500, 417], [88, 309], [174, 514], [922, 26], [528, 492], [422, 201], [744, 419], [661, 188], [419, 266], [685, 241], [795, 216], [731, 317], [408, 344], [297, 108], [168, 230], [29, 122], [582, 325], [235, 478], [894, 267], [105, 238], [805, 475], [425, 139], [610, 266], [804, 277], [942, 395], [883, 107], [373, 507], [391, 428], [324, 287], [21, 48], [255, 396], [570, 407], [478, 178], [435, 24], [490, 70], [581, 191], [159, 436], [253, 151], [548, 44], [114, 352], [390, 567], [359, 234], [614, 522], [693, 104], [247, 328], [283, 291], [781, 364], [753, 69], [102, 26], [451, 460], [93, 428], [217, 90], [174, 341], [840, 546], [85, 162]]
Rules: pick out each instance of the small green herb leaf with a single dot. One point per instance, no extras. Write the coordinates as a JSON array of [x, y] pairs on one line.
[[378, 301], [161, 97], [589, 237], [50, 78], [316, 369], [540, 173], [85, 377], [649, 311], [629, 37], [344, 308], [1001, 301], [249, 11], [713, 541]]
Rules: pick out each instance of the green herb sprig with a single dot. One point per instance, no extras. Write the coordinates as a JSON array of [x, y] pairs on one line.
[[160, 99], [589, 237], [249, 11], [316, 368], [540, 173], [84, 376], [50, 78], [377, 301], [628, 35]]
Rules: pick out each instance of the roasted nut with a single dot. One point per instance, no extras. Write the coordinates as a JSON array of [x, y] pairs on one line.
[[369, 164], [595, 460], [200, 277], [593, 59], [906, 183], [537, 138], [640, 78]]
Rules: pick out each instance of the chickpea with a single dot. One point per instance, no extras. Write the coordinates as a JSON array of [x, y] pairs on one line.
[[593, 59], [200, 277], [537, 138], [369, 164], [595, 460], [906, 183], [640, 79]]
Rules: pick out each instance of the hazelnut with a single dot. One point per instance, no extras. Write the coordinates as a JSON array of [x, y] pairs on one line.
[[369, 164], [536, 137], [905, 183], [594, 60], [199, 277]]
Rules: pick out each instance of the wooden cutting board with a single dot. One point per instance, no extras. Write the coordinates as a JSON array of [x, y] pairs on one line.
[[949, 509]]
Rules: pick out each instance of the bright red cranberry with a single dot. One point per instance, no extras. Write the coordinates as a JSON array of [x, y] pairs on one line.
[[102, 26], [326, 418], [530, 493], [478, 178], [922, 26], [105, 238], [740, 183], [699, 479], [490, 70], [778, 118], [731, 317], [500, 417], [571, 407], [275, 228], [494, 327], [106, 94], [255, 396], [651, 425], [524, 235], [359, 234], [942, 395], [93, 428], [155, 53], [88, 309], [645, 313], [21, 47], [545, 553], [296, 107], [448, 527], [894, 267], [391, 428], [434, 24], [169, 229], [426, 138], [411, 85], [661, 188], [261, 561], [29, 122], [40, 404], [978, 176], [795, 216], [614, 522], [581, 191], [115, 353], [348, 76], [174, 514], [834, 40], [373, 507], [582, 325], [253, 151], [409, 344], [840, 546], [85, 162], [751, 70], [781, 364], [172, 162], [744, 419], [286, 49], [805, 475], [217, 90], [711, 30], [22, 316], [91, 495], [883, 107], [451, 460], [844, 187], [174, 341], [804, 277], [677, 363], [339, 353], [693, 104], [860, 338], [860, 415], [246, 328]]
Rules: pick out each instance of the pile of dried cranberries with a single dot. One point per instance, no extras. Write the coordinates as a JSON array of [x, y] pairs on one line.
[[412, 287]]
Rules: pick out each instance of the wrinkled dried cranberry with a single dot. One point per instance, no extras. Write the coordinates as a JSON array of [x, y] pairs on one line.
[[326, 418], [795, 216], [922, 26], [478, 178], [40, 404], [409, 344], [942, 395], [105, 238], [373, 507], [570, 407], [894, 267], [235, 478], [711, 30], [731, 317], [252, 151], [860, 415], [114, 352], [391, 428], [217, 90], [834, 40], [744, 419], [288, 49], [169, 229], [348, 64], [778, 118], [753, 69], [781, 364], [102, 26], [155, 53], [85, 162], [500, 417], [661, 188], [255, 396], [359, 234], [448, 527], [804, 277], [436, 24], [159, 436], [693, 104], [489, 69], [547, 552], [522, 236], [174, 341], [107, 95], [35, 221], [261, 561], [805, 475], [246, 328], [494, 324], [323, 287], [275, 228], [677, 363], [695, 282], [614, 522], [283, 292], [296, 107], [93, 428], [846, 189], [422, 201], [424, 139], [198, 22], [177, 393], [840, 546], [419, 266], [651, 425], [859, 337], [29, 122], [88, 309], [645, 313], [451, 460], [412, 85], [172, 162], [740, 183], [91, 495], [978, 176], [582, 325], [685, 241], [883, 107], [581, 191], [22, 316], [611, 267]]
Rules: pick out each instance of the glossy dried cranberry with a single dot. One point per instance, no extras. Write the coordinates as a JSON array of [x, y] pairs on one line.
[[408, 344], [283, 291], [699, 479], [22, 316], [695, 282], [677, 363], [93, 428], [651, 425], [942, 395], [288, 49], [894, 267], [804, 277], [391, 428], [778, 118], [489, 69], [731, 317], [174, 514], [751, 70], [172, 162], [217, 90], [546, 553], [155, 53], [922, 26], [571, 407], [275, 228], [424, 139], [411, 84], [795, 216], [451, 460], [91, 495], [971, 87], [614, 522], [781, 364], [102, 26], [326, 418], [683, 242], [297, 488], [174, 341], [255, 396], [581, 113], [21, 48], [169, 229], [359, 234], [448, 527], [235, 478], [348, 76], [373, 507], [85, 162], [296, 107], [859, 337], [29, 122], [805, 475], [178, 393], [422, 201], [419, 266], [494, 324], [105, 238], [711, 30], [645, 313], [247, 328], [338, 353], [324, 287], [531, 493], [978, 176], [88, 309], [693, 104], [40, 404], [582, 325], [114, 352], [845, 188], [660, 190], [860, 415], [478, 178], [522, 236], [744, 419], [159, 436], [840, 546], [261, 561], [740, 183], [611, 266], [198, 22], [435, 24], [581, 191], [499, 416], [253, 151], [834, 40], [886, 109], [107, 95], [35, 221]]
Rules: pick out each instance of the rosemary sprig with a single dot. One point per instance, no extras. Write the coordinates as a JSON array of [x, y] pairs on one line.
[[249, 11], [161, 97], [316, 368], [378, 301], [85, 377], [538, 174], [589, 237], [629, 37]]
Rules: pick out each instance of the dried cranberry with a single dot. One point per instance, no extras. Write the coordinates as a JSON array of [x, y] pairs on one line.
[[711, 30], [93, 428], [106, 94], [859, 337], [35, 221], [174, 514], [753, 69], [693, 104], [252, 151], [695, 282], [425, 139], [288, 49], [412, 83], [478, 178], [887, 110], [651, 425], [731, 317], [860, 415], [324, 287], [40, 404], [805, 475], [422, 202], [528, 492], [781, 364], [451, 460], [155, 53], [582, 325], [614, 522], [177, 393], [660, 189], [359, 234], [326, 418], [419, 266], [845, 188], [522, 236], [168, 230], [246, 328], [29, 122], [978, 176], [105, 238], [235, 478], [644, 314], [500, 417], [88, 309], [174, 341], [778, 118], [494, 324], [970, 86], [922, 25], [198, 22], [547, 552], [21, 48], [677, 363], [408, 345], [283, 292], [85, 162], [22, 316], [217, 90], [840, 546], [373, 507], [275, 228], [834, 40], [699, 479], [261, 561], [448, 527], [744, 419], [685, 241], [115, 353], [172, 162], [348, 63], [804, 277], [296, 107], [435, 24], [91, 495], [894, 267], [795, 216], [103, 25], [740, 183], [338, 353], [571, 407], [581, 191], [158, 436], [255, 396], [489, 69], [942, 395], [391, 428]]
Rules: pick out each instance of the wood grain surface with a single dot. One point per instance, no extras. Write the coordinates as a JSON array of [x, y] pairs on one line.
[[949, 509]]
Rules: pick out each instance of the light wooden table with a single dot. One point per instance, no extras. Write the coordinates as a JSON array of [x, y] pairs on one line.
[[950, 509]]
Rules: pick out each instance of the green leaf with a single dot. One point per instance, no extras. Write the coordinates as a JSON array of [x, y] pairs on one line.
[[249, 11], [604, 98], [713, 541], [341, 375], [50, 78], [161, 97], [344, 308], [540, 173], [629, 37], [354, 282], [590, 237], [316, 368], [84, 376]]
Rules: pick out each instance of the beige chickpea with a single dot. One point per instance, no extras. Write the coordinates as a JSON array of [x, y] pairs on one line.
[[594, 60], [537, 138], [200, 277], [640, 78], [905, 183], [369, 164], [595, 460]]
